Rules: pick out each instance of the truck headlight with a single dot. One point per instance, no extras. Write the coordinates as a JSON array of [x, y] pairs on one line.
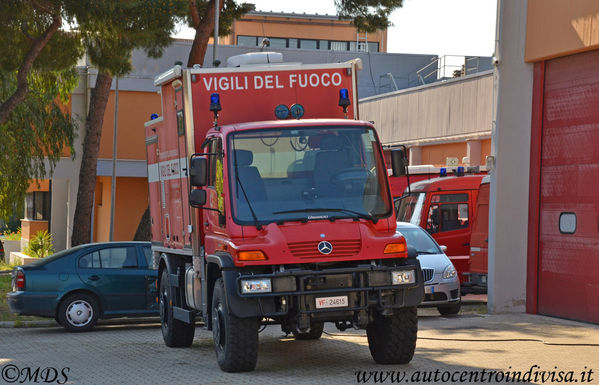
[[403, 277], [251, 286], [449, 272]]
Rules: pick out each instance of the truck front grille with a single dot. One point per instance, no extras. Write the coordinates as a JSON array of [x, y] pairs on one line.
[[341, 248]]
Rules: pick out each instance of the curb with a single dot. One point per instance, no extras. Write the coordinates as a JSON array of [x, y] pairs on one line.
[[52, 323]]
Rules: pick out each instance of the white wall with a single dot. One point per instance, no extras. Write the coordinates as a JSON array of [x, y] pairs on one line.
[[65, 178], [508, 226], [451, 110]]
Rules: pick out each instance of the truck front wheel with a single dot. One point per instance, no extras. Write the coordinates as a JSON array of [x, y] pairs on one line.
[[392, 339], [235, 339], [175, 333]]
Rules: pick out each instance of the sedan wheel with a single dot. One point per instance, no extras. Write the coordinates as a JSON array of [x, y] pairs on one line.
[[78, 312]]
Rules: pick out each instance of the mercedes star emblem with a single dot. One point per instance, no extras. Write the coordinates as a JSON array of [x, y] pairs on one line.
[[325, 247]]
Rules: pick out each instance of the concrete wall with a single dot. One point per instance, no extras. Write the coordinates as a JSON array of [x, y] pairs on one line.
[[452, 110], [508, 231], [65, 178], [372, 80], [558, 27]]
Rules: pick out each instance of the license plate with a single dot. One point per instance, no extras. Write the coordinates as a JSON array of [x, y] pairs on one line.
[[429, 289], [328, 302]]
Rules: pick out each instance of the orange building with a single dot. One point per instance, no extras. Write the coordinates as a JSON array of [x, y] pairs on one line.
[[303, 31]]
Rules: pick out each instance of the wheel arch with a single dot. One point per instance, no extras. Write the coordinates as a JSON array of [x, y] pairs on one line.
[[95, 296]]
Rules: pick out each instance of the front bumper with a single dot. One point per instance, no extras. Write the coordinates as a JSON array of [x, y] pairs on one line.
[[441, 292], [295, 291]]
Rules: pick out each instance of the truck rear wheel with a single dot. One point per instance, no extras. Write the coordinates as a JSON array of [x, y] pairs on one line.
[[235, 339], [175, 333], [392, 339], [315, 332]]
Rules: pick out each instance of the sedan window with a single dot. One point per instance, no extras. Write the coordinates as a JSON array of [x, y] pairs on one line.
[[90, 261], [112, 258], [420, 240]]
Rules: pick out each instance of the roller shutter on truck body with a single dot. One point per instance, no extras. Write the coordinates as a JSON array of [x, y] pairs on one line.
[[568, 198]]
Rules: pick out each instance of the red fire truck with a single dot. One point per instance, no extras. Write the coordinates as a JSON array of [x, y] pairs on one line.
[[445, 207], [270, 204], [479, 240]]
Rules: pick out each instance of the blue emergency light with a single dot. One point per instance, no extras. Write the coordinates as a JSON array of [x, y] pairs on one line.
[[153, 116], [215, 102], [344, 98], [460, 171], [443, 171]]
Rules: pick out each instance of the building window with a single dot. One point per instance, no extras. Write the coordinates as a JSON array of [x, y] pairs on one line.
[[339, 46], [308, 44], [282, 42], [276, 42], [323, 45], [247, 41], [37, 205]]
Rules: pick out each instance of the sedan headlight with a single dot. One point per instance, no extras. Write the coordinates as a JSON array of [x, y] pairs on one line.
[[449, 272], [252, 286], [403, 277]]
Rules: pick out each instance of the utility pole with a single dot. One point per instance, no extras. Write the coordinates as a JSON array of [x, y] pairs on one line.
[[114, 142]]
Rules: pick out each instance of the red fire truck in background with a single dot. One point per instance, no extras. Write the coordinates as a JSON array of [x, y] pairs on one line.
[[451, 208], [270, 204]]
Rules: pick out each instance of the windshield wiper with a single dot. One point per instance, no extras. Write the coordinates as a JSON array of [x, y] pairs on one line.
[[356, 214], [426, 252]]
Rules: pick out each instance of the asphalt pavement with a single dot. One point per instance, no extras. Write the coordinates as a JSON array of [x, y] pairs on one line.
[[468, 348]]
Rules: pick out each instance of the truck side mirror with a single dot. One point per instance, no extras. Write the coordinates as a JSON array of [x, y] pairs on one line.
[[399, 162], [197, 198], [198, 171]]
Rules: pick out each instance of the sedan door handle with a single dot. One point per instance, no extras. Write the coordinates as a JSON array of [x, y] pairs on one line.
[[94, 278]]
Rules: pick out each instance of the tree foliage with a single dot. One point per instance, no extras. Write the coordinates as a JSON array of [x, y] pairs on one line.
[[35, 134], [367, 15], [200, 16], [30, 33]]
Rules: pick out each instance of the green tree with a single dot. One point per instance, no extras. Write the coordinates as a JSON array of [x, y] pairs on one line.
[[200, 16], [32, 40], [35, 134], [36, 79], [111, 30], [367, 15]]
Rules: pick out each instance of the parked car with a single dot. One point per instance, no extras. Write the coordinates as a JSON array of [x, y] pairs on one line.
[[78, 286], [441, 282]]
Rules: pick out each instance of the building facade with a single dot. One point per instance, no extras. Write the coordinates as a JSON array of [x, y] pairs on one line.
[[303, 31], [544, 238]]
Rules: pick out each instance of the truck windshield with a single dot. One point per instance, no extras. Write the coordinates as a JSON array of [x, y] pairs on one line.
[[307, 174], [410, 208]]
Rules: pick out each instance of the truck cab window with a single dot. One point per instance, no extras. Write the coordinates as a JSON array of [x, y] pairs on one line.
[[447, 215]]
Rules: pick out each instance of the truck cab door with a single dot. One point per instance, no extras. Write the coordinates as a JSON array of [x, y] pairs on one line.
[[448, 221]]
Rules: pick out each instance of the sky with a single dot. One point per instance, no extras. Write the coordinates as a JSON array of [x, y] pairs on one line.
[[439, 27]]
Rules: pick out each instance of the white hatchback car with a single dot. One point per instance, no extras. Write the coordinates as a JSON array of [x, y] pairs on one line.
[[441, 282]]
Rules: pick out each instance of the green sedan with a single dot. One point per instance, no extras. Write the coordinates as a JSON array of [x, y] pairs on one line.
[[80, 285]]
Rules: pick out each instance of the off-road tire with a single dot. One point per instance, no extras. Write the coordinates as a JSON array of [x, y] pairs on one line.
[[176, 333], [392, 339], [235, 339], [78, 312], [315, 332], [451, 309]]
